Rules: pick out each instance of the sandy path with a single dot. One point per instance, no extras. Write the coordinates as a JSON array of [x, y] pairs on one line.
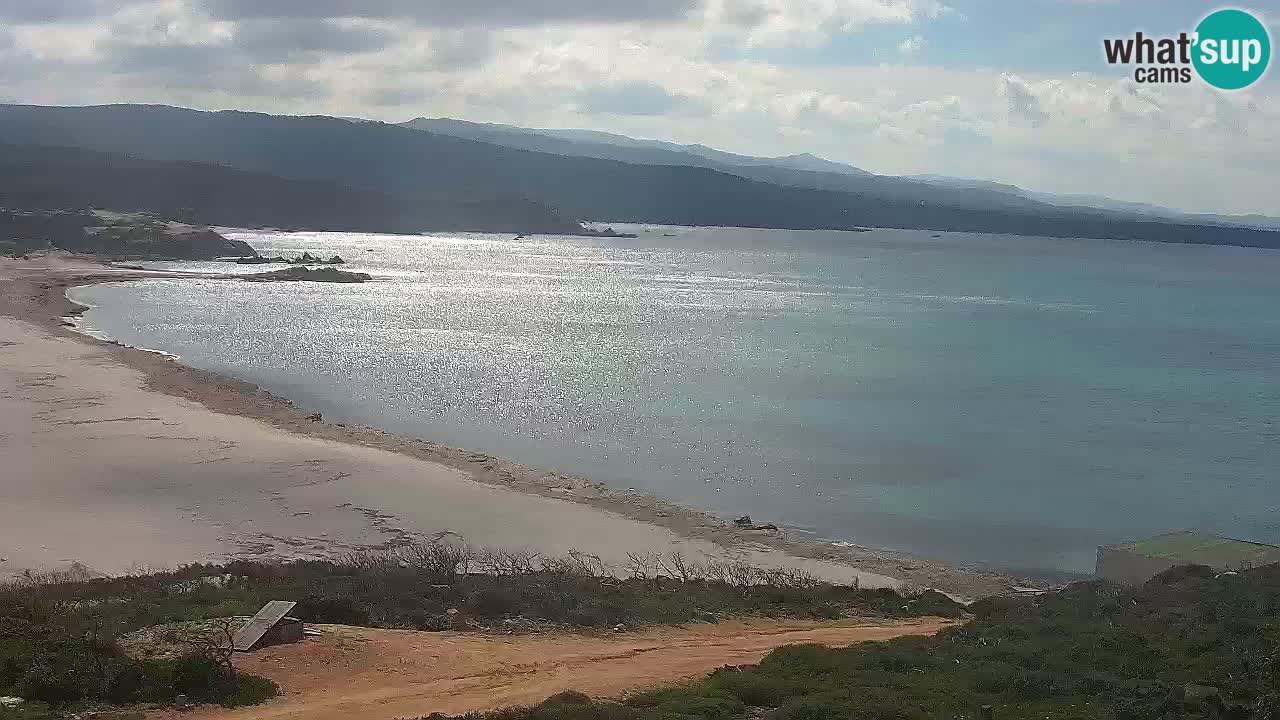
[[375, 674], [98, 468]]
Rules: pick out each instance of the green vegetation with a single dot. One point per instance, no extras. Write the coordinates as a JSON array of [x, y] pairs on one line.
[[1186, 645], [328, 173], [9, 248], [60, 648], [61, 636], [120, 237]]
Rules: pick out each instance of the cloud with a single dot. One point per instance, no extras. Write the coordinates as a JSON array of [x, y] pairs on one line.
[[807, 22], [631, 98], [397, 96], [46, 11], [458, 49], [457, 13], [726, 73], [278, 40], [1022, 103], [197, 67], [911, 45]]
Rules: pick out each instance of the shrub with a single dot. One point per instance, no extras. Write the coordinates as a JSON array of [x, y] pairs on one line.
[[431, 622], [568, 697], [250, 690], [494, 602], [202, 678], [1092, 651], [55, 686], [752, 687], [57, 631], [711, 706], [338, 609]]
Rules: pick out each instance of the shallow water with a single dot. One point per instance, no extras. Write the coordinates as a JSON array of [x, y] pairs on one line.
[[978, 399]]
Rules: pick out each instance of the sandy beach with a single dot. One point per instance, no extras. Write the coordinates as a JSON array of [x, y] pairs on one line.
[[119, 459]]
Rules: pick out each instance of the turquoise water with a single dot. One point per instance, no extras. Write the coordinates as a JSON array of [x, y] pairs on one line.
[[994, 400]]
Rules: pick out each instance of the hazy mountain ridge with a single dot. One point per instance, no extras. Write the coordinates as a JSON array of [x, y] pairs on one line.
[[51, 178], [808, 170], [446, 172], [803, 170]]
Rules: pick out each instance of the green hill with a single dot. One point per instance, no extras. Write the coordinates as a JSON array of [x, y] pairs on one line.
[[450, 172]]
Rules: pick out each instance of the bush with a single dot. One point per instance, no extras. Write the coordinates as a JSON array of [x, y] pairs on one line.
[[55, 686], [711, 706], [337, 609], [57, 631], [202, 678], [494, 602], [431, 622], [250, 690], [752, 687], [1092, 651], [568, 697]]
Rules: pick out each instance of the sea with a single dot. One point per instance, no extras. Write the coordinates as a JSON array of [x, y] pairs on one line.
[[986, 400]]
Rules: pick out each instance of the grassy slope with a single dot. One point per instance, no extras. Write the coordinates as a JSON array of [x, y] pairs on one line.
[[1092, 651], [59, 635]]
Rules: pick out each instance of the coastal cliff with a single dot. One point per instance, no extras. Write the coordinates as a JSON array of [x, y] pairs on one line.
[[116, 237]]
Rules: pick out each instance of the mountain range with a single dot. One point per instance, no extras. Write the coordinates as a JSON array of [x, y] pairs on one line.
[[53, 178], [446, 174], [783, 170]]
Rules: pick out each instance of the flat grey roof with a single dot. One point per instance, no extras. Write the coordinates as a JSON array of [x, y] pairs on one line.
[[1203, 549]]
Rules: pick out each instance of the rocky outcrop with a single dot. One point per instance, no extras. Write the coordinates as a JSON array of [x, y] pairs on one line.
[[133, 237], [305, 258], [303, 273]]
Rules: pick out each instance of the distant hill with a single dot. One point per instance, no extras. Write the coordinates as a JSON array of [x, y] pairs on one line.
[[1101, 202], [804, 170], [434, 173], [122, 237], [74, 178], [802, 161], [597, 144], [807, 170]]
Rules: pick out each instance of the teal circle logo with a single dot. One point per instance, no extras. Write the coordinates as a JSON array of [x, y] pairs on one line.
[[1232, 49]]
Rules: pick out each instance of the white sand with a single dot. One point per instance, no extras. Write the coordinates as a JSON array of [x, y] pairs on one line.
[[96, 469]]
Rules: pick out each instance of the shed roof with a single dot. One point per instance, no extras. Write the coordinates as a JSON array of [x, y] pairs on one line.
[[1215, 551], [270, 614]]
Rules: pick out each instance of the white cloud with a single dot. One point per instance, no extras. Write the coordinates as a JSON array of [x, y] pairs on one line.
[[656, 77], [911, 45], [765, 23], [1023, 104]]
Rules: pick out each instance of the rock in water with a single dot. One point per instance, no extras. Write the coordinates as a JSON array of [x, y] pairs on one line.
[[303, 273]]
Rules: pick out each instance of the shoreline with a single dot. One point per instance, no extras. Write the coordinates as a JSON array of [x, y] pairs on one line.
[[36, 294]]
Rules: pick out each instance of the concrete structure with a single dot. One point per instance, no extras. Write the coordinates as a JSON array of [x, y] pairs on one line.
[[288, 630], [269, 627], [1137, 562]]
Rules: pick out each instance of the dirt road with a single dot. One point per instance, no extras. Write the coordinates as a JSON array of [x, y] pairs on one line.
[[382, 674]]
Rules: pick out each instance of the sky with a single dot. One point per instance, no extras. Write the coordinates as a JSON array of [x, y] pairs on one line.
[[1015, 91]]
